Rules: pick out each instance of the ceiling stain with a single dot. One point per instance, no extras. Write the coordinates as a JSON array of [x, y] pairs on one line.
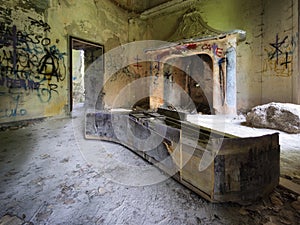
[[138, 6]]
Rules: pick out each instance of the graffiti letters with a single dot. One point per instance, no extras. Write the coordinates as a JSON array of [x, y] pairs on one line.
[[214, 48], [28, 59], [40, 23], [25, 84], [49, 65], [14, 110]]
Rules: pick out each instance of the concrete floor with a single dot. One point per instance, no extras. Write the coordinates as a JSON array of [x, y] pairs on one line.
[[49, 174]]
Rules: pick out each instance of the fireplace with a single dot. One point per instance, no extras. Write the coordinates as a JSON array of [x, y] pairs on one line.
[[197, 74]]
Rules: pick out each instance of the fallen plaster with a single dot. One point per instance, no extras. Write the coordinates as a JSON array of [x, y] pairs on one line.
[[274, 115]]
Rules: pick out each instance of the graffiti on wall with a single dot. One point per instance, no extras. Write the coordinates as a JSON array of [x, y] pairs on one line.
[[217, 51], [154, 69], [30, 63], [13, 109], [280, 55], [137, 62]]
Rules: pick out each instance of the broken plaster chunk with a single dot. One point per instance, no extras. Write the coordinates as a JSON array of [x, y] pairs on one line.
[[11, 220], [296, 205], [243, 212], [102, 191], [45, 156], [280, 116], [275, 199]]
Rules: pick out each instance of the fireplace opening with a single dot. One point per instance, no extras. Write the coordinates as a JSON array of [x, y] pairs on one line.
[[194, 75]]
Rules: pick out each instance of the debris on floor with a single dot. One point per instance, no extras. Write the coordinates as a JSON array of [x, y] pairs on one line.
[[11, 220], [67, 188], [280, 116]]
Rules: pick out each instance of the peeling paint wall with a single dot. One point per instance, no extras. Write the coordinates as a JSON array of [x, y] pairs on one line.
[[280, 51], [34, 75], [33, 67], [267, 62], [34, 78], [127, 86]]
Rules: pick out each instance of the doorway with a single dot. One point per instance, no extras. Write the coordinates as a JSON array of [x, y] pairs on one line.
[[83, 55]]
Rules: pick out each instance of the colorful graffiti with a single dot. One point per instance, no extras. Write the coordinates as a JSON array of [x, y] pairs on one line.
[[207, 47], [280, 56], [137, 60], [28, 59], [214, 48]]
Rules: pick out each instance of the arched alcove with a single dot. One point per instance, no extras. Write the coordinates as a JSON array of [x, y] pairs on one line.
[[194, 76]]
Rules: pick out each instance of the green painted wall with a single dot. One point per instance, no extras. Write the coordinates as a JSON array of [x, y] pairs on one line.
[[34, 53], [267, 70]]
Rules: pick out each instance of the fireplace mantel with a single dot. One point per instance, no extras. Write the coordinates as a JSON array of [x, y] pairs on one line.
[[220, 48]]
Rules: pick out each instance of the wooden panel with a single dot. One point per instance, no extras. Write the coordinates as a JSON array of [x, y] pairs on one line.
[[246, 165], [190, 173], [290, 185]]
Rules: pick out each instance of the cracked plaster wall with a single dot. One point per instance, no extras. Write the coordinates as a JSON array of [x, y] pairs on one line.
[[267, 62], [34, 51]]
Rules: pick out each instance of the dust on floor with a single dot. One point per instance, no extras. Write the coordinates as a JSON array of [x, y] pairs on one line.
[[46, 178]]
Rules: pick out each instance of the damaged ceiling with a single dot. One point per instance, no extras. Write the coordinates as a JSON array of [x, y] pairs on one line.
[[138, 6]]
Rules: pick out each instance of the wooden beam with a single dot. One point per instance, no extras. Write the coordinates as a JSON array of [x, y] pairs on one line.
[[293, 187]]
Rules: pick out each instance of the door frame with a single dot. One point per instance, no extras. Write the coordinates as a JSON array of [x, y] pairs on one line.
[[81, 43]]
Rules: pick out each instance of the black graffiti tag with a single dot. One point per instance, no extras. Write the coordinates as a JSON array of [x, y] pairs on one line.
[[28, 60], [40, 23], [277, 45], [50, 64]]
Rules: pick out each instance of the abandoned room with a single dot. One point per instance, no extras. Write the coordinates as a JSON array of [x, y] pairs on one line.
[[150, 112]]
